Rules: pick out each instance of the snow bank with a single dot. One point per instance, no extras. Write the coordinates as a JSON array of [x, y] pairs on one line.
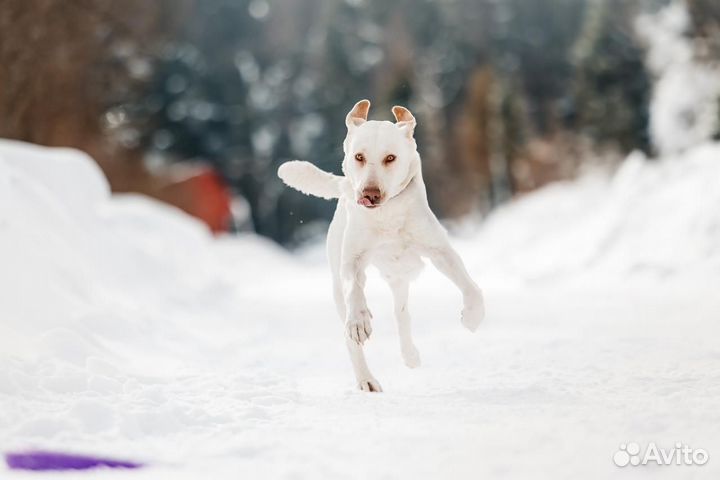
[[106, 301], [653, 219], [80, 265]]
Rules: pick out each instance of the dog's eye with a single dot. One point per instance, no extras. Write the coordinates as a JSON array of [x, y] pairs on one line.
[[359, 157], [390, 158]]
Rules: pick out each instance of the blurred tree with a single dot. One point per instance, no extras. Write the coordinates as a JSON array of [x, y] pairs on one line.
[[705, 31], [531, 49], [612, 88], [493, 85], [705, 27], [63, 63], [498, 88], [241, 89]]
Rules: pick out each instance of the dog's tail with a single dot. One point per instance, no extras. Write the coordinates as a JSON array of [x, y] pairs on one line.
[[310, 180]]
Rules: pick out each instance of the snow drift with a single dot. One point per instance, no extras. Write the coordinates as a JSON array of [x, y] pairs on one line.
[[654, 219], [127, 330], [78, 260]]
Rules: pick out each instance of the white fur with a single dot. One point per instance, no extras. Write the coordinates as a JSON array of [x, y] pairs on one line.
[[393, 236], [309, 179]]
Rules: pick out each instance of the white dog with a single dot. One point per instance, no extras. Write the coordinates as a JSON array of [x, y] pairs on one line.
[[383, 219]]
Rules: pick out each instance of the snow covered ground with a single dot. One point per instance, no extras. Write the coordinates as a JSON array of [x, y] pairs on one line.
[[127, 330]]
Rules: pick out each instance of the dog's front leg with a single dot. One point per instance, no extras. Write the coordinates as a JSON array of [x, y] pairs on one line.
[[352, 271], [449, 263], [357, 319]]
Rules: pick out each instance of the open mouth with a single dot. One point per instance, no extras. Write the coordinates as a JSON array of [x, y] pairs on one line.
[[367, 203]]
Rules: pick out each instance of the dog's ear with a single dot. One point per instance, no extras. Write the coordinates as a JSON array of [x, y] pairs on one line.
[[358, 115], [404, 120]]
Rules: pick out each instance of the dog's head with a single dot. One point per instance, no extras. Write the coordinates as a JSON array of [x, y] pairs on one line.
[[380, 157]]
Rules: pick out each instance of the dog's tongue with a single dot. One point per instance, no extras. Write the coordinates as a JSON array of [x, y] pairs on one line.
[[365, 202]]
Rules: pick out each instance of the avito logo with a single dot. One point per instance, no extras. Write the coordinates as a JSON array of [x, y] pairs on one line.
[[680, 454]]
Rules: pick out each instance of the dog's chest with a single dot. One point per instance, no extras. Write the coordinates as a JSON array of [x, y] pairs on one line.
[[393, 247], [389, 229], [396, 260], [388, 225], [395, 253]]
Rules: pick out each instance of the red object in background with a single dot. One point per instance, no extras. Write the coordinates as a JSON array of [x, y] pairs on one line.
[[202, 193]]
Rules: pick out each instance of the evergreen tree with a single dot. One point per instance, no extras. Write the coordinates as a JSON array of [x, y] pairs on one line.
[[612, 88]]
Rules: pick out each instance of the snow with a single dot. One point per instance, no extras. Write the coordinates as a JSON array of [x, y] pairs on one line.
[[129, 331], [684, 106], [652, 219]]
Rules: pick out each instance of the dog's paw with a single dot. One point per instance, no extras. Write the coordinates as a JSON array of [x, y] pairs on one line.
[[411, 356], [358, 327], [369, 385], [473, 312]]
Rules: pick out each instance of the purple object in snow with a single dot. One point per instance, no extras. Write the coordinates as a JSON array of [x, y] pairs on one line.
[[41, 460]]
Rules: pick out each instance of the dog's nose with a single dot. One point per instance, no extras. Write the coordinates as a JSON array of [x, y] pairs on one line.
[[372, 194]]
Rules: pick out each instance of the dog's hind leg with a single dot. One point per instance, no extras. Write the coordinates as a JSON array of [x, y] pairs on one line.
[[410, 354]]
